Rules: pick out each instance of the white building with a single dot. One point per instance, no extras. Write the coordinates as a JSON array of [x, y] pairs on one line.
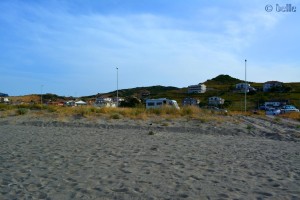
[[190, 102], [244, 86], [4, 100], [105, 102], [215, 101], [200, 88], [80, 103], [70, 103], [119, 99], [271, 84]]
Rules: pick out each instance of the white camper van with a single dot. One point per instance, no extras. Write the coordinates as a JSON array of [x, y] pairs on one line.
[[158, 103]]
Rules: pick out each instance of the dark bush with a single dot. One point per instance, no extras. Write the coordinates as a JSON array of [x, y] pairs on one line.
[[131, 102]]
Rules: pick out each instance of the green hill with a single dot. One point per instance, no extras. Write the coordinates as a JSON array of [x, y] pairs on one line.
[[223, 79], [154, 91]]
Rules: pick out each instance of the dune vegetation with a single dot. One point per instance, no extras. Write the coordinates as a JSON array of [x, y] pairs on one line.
[[138, 113], [190, 112]]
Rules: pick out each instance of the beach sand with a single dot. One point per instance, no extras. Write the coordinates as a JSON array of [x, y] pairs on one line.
[[242, 158]]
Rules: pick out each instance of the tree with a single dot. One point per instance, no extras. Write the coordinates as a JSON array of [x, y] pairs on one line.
[[130, 102]]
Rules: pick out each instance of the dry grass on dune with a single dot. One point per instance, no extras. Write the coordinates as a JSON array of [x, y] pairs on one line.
[[292, 115], [143, 113], [26, 98], [189, 112], [247, 113]]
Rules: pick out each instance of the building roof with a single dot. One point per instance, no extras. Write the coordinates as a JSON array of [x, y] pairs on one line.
[[272, 82], [80, 102], [197, 85]]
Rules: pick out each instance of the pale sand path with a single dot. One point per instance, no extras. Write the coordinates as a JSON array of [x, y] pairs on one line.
[[64, 162]]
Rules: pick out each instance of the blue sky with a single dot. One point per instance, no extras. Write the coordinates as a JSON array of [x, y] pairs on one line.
[[72, 47]]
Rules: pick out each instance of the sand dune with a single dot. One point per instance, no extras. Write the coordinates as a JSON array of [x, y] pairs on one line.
[[243, 158]]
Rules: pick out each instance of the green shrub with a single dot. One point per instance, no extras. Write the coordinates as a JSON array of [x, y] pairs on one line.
[[52, 108], [93, 109], [131, 102], [23, 106], [249, 127], [277, 119], [151, 133], [22, 111], [165, 124], [115, 116], [37, 107]]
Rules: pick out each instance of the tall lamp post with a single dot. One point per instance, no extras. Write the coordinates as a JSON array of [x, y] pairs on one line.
[[42, 94], [246, 87], [117, 86]]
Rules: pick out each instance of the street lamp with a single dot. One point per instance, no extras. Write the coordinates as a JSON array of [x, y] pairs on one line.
[[42, 94], [117, 86], [246, 87]]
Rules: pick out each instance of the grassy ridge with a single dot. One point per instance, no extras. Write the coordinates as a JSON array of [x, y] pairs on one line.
[[221, 86]]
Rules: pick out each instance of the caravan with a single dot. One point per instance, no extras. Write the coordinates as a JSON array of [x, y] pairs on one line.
[[158, 103]]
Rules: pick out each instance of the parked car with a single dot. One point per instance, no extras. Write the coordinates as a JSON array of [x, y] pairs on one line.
[[273, 111], [263, 107], [289, 108]]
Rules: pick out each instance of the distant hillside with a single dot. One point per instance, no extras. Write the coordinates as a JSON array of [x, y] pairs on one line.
[[36, 98], [153, 90], [162, 91], [3, 94], [223, 79]]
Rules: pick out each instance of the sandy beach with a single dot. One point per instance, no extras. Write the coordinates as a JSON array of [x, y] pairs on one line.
[[241, 158]]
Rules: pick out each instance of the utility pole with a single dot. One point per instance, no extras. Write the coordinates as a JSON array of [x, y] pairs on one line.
[[246, 86], [117, 87]]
